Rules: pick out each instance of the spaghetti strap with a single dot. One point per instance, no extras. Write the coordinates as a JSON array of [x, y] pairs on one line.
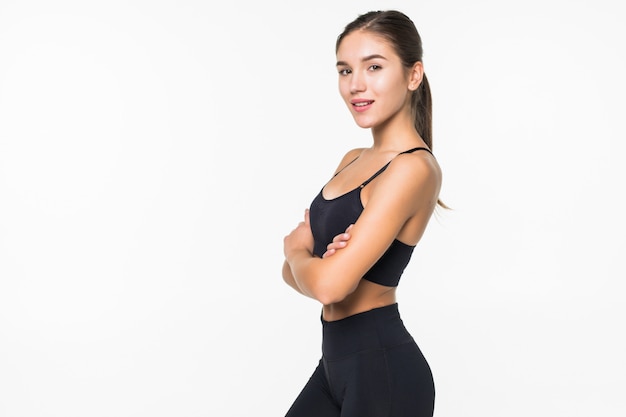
[[421, 148], [346, 165]]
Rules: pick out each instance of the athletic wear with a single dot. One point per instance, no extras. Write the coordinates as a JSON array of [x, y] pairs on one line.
[[330, 218], [371, 367]]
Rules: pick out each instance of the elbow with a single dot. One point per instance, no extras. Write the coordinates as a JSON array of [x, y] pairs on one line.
[[327, 299], [330, 294]]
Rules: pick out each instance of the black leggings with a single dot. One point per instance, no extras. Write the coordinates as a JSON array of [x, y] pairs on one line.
[[370, 367]]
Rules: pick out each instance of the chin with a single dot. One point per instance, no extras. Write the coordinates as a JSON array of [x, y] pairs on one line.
[[365, 124]]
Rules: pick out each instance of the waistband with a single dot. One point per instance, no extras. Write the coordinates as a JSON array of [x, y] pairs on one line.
[[378, 328]]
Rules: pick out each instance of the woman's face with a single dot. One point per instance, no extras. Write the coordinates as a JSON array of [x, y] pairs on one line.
[[372, 80]]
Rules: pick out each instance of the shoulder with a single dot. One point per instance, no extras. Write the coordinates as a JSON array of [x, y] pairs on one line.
[[412, 175], [350, 156], [417, 166]]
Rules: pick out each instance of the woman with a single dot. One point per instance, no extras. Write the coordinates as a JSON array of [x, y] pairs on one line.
[[359, 233]]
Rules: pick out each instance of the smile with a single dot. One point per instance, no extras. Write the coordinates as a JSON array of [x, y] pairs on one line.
[[361, 105]]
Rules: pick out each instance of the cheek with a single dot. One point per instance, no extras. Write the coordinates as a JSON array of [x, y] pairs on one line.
[[386, 85], [394, 91]]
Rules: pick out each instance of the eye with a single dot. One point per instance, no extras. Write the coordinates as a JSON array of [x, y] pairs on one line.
[[344, 71], [374, 67]]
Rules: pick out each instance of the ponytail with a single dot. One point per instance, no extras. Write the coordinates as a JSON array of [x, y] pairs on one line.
[[422, 107]]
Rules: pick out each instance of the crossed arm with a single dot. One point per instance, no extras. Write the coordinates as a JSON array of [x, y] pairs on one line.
[[408, 189], [340, 241]]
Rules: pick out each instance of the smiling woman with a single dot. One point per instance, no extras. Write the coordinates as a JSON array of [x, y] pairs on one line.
[[360, 231]]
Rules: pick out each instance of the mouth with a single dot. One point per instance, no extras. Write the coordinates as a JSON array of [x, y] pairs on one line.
[[361, 105]]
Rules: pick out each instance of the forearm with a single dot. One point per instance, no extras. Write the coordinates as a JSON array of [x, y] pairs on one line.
[[314, 277], [325, 280], [295, 266], [288, 277]]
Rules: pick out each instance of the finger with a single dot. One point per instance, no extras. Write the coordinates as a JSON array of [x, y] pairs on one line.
[[328, 253], [306, 216], [336, 245], [341, 238]]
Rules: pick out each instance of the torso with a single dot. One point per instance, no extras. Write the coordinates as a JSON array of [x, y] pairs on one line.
[[368, 295]]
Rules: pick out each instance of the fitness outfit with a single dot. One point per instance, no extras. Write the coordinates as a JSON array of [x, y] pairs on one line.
[[370, 365]]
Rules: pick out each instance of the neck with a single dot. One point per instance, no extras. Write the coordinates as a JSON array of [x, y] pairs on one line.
[[396, 134]]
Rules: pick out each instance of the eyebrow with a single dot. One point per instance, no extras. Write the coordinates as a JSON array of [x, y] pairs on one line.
[[365, 59]]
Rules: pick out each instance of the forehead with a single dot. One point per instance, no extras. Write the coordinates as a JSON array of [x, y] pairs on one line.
[[361, 43]]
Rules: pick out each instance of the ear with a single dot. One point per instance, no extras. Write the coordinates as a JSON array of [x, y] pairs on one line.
[[416, 75]]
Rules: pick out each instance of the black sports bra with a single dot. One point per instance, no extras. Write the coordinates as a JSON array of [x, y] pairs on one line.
[[329, 218]]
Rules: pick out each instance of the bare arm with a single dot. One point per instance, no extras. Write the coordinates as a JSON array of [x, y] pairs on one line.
[[339, 242], [289, 279], [410, 186]]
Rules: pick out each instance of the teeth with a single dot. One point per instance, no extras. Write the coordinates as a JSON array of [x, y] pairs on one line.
[[364, 103]]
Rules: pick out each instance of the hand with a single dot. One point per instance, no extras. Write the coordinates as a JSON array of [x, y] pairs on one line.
[[300, 238], [339, 242]]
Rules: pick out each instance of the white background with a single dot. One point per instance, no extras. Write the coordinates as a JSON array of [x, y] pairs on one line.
[[153, 154]]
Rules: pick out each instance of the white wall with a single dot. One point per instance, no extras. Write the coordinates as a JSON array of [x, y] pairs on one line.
[[153, 155]]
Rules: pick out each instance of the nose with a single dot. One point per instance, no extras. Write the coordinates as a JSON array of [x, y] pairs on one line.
[[357, 83]]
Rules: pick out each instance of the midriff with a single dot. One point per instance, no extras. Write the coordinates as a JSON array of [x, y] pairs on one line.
[[367, 296]]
